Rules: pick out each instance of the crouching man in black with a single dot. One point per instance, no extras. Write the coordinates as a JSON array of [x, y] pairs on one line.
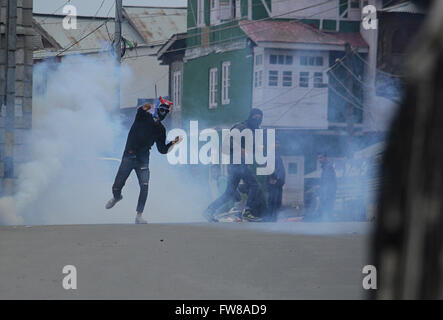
[[146, 129], [255, 205]]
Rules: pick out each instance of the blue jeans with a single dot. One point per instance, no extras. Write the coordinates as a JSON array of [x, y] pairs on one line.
[[129, 163]]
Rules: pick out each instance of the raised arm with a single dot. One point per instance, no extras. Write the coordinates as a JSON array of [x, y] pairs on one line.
[[141, 111], [162, 147]]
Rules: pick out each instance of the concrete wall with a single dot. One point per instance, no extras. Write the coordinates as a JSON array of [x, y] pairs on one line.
[[23, 87]]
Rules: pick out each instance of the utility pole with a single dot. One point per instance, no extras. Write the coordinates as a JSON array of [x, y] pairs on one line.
[[118, 46], [11, 45]]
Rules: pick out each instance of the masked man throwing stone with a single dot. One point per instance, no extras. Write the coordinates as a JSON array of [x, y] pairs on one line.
[[146, 129]]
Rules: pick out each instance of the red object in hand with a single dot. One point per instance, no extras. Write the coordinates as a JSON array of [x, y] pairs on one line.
[[164, 101]]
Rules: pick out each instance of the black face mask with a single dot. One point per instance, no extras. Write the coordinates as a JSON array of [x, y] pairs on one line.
[[162, 112]]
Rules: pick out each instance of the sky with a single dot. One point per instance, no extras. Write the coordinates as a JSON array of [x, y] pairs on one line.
[[90, 7]]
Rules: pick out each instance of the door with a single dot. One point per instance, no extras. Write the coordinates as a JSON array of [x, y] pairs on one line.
[[293, 189]]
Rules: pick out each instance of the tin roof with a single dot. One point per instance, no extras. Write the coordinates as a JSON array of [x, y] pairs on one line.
[[298, 32], [156, 25], [141, 25], [91, 35]]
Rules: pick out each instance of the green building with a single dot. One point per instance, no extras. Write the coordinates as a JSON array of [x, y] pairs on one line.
[[301, 62]]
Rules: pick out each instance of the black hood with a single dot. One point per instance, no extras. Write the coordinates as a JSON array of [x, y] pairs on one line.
[[254, 123]]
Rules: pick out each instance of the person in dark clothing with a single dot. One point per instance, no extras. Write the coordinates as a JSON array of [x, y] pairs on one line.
[[274, 185], [146, 130], [328, 188], [236, 172]]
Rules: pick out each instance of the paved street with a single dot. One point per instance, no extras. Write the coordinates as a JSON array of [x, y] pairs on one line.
[[185, 261]]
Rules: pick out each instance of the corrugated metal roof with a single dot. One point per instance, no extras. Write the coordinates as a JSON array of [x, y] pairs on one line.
[[297, 32], [405, 7], [157, 25], [142, 25], [97, 40]]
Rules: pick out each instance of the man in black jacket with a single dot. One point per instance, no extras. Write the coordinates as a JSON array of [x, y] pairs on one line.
[[274, 185], [146, 129], [256, 201]]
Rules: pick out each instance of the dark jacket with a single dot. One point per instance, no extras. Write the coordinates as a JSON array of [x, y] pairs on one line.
[[142, 135], [279, 173], [328, 183]]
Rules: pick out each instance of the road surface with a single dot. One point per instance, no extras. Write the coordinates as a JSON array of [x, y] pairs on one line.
[[185, 261]]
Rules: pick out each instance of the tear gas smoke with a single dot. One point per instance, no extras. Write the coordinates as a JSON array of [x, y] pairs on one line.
[[74, 150]]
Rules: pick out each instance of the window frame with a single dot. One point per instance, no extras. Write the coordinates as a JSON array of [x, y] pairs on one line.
[[177, 87], [305, 76], [285, 81], [201, 13], [213, 87], [316, 84], [226, 82], [276, 80]]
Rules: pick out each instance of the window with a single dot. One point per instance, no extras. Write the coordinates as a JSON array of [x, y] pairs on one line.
[[318, 80], [226, 9], [215, 12], [258, 60], [258, 78], [237, 9], [200, 12], [288, 60], [213, 87], [177, 85], [273, 78], [304, 79], [311, 61], [226, 81], [273, 59], [287, 78], [280, 59]]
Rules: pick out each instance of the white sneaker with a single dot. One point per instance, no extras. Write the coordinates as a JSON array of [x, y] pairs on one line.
[[112, 202], [140, 220]]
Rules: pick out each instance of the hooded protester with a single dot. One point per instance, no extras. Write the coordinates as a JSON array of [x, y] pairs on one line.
[[146, 130], [274, 185], [255, 204]]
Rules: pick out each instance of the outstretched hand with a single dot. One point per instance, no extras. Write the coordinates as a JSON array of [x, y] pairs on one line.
[[177, 139]]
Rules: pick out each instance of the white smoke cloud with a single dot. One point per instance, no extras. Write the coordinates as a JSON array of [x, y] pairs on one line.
[[67, 181]]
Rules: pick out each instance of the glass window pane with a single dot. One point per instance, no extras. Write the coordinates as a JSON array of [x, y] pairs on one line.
[[273, 78], [287, 78], [318, 80], [288, 60], [273, 59], [304, 79], [311, 61]]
